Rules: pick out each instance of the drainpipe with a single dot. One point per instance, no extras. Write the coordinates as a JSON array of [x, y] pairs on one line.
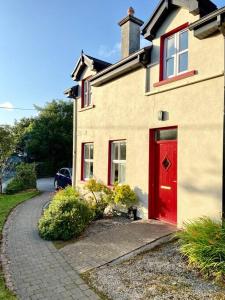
[[74, 142], [72, 94], [222, 30]]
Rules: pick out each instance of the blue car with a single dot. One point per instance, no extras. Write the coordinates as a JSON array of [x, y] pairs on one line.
[[63, 178]]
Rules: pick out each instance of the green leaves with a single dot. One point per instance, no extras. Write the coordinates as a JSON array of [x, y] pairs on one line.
[[25, 179], [66, 217], [203, 242], [48, 138], [123, 194], [7, 144]]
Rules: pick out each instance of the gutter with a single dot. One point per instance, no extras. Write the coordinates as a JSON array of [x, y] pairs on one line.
[[140, 58], [209, 24]]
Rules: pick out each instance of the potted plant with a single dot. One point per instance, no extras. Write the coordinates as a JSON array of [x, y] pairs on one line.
[[124, 195]]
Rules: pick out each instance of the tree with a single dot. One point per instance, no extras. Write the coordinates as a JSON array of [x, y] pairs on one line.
[[7, 146], [48, 138], [20, 130]]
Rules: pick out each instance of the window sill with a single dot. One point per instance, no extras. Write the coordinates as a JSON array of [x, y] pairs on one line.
[[87, 108], [175, 78]]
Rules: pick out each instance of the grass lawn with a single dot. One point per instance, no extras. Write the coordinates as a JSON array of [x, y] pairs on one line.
[[7, 203]]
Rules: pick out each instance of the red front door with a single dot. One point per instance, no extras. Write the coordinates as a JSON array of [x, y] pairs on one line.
[[166, 180]]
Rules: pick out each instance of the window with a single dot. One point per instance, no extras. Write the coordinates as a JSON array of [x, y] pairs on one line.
[[86, 93], [166, 134], [117, 162], [87, 161], [176, 54]]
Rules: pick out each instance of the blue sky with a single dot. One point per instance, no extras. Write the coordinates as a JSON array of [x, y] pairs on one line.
[[40, 42]]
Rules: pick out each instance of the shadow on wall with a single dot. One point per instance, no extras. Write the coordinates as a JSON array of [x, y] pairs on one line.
[[143, 200], [193, 184]]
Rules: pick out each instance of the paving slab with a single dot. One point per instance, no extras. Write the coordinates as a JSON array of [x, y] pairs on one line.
[[115, 243]]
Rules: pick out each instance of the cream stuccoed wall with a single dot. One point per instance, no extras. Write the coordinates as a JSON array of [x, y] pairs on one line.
[[122, 110]]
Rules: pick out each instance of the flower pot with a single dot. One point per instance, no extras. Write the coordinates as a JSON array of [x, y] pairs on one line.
[[132, 213]]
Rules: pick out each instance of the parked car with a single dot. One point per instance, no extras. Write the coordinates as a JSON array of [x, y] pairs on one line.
[[63, 178]]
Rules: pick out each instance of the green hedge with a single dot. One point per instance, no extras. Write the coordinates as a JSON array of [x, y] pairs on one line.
[[66, 217], [25, 179]]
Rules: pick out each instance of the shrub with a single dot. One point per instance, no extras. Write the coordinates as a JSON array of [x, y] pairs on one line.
[[25, 178], [124, 195], [14, 186], [66, 217], [203, 243], [100, 197]]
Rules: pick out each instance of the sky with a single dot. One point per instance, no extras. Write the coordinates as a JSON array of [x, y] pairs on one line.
[[40, 42]]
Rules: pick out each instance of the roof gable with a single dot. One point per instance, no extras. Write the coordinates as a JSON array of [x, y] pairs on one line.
[[195, 7], [85, 61]]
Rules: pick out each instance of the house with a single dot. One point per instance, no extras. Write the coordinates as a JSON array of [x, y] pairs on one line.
[[155, 119]]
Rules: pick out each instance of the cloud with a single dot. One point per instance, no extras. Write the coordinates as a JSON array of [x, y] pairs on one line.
[[107, 52], [7, 105]]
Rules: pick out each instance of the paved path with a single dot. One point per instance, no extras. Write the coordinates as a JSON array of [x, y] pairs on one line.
[[36, 269], [105, 246]]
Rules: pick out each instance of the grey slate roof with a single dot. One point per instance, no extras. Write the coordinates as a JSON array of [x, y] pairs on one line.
[[196, 7], [88, 61]]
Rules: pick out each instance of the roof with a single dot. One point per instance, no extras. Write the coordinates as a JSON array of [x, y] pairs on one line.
[[72, 92], [209, 24], [195, 7], [88, 61], [138, 59]]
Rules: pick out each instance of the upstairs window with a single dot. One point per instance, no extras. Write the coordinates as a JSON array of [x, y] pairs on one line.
[[86, 93], [174, 53], [117, 162]]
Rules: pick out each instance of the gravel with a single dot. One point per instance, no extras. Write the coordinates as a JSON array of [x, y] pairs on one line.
[[158, 274]]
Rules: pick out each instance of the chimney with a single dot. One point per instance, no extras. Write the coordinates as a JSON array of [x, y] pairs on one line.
[[130, 33]]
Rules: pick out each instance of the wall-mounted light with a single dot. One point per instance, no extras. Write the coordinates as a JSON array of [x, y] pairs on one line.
[[163, 115]]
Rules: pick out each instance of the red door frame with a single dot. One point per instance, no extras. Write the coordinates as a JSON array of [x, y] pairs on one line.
[[152, 178]]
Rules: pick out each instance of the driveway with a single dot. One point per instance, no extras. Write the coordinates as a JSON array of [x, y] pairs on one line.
[[46, 184]]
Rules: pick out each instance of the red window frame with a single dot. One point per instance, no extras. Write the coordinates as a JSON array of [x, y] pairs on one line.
[[82, 93], [162, 49]]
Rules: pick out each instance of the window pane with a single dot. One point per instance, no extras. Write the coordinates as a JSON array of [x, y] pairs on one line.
[[91, 170], [67, 174], [170, 67], [85, 86], [115, 173], [86, 151], [115, 151], [89, 96], [122, 175], [170, 134], [183, 41], [183, 62], [170, 47], [91, 151], [123, 151], [86, 169]]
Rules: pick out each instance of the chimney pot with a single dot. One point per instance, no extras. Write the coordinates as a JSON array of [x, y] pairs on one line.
[[130, 11]]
